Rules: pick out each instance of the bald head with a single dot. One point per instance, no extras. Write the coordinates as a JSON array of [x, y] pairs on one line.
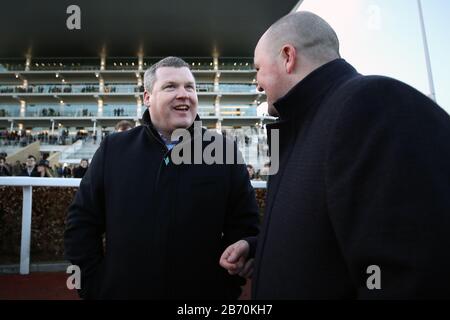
[[312, 36], [290, 50]]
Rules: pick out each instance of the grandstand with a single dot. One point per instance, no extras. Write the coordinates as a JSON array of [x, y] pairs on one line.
[[70, 95]]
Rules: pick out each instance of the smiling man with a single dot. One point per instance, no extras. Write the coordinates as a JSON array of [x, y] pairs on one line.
[[166, 225], [173, 99]]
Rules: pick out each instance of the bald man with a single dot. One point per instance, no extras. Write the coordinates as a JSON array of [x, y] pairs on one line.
[[360, 206]]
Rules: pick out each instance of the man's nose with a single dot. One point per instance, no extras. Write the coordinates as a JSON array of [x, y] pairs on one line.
[[259, 88], [182, 93]]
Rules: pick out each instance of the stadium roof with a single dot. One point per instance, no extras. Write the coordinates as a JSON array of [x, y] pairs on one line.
[[194, 28]]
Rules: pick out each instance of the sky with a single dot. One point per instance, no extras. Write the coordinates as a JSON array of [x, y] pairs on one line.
[[384, 37]]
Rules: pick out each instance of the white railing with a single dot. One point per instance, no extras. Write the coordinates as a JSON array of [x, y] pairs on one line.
[[27, 185]]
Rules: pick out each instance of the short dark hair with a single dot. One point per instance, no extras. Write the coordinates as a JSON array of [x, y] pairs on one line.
[[123, 125], [150, 74], [43, 163], [31, 156]]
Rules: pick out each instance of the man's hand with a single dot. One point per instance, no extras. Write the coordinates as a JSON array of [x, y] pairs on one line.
[[233, 259]]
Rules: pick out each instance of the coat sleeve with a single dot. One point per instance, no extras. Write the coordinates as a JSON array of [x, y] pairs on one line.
[[388, 191], [85, 226], [242, 219], [7, 171]]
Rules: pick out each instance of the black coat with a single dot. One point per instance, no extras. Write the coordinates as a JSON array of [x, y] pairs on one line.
[[5, 170], [34, 173], [166, 225], [364, 180], [79, 172]]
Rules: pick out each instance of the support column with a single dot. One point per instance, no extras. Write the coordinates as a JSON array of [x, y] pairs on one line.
[[102, 61], [217, 89], [216, 62], [101, 85], [141, 61], [139, 79], [100, 108], [217, 77], [95, 128], [219, 126], [140, 83], [26, 230], [217, 106], [27, 62], [99, 134], [216, 82], [139, 107], [22, 108], [432, 94]]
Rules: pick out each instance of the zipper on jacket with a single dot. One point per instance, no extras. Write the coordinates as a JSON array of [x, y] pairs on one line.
[[165, 154]]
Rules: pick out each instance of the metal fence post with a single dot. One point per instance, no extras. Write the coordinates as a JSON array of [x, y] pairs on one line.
[[26, 230]]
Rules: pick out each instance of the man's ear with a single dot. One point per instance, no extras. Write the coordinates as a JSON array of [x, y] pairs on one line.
[[289, 54], [146, 98]]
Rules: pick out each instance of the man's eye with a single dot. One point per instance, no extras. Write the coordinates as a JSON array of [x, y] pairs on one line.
[[169, 86]]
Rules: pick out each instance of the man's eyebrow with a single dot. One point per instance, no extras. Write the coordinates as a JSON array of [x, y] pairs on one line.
[[174, 82]]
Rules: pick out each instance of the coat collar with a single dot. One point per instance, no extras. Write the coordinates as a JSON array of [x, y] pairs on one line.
[[313, 87], [293, 106]]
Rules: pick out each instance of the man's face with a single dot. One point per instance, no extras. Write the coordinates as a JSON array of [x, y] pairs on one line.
[[31, 162], [173, 100], [84, 164], [269, 74]]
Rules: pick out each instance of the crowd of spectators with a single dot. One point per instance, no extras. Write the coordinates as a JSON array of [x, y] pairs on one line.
[[65, 88], [51, 112], [243, 138], [119, 112], [4, 113], [21, 138], [33, 168]]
